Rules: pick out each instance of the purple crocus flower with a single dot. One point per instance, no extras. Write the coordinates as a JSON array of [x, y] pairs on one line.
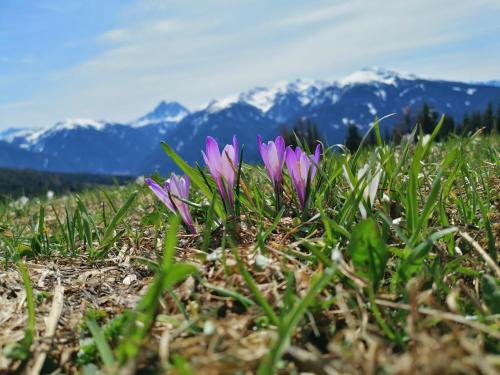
[[302, 166], [176, 190], [273, 156], [223, 168]]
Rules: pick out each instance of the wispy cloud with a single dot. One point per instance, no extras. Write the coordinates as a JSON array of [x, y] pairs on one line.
[[173, 51], [17, 105], [313, 16], [114, 36], [166, 26]]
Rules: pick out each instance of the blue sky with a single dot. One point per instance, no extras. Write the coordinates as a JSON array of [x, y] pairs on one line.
[[115, 59]]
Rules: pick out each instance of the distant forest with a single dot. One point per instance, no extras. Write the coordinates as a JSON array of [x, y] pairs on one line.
[[21, 182], [427, 119]]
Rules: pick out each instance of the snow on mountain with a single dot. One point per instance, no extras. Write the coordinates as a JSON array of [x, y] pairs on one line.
[[9, 134], [220, 121], [374, 75], [87, 145], [215, 106], [73, 123], [35, 140], [165, 112], [284, 99], [492, 83], [266, 98]]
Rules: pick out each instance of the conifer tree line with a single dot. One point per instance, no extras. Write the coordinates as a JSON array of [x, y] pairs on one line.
[[304, 130], [18, 182], [427, 119]]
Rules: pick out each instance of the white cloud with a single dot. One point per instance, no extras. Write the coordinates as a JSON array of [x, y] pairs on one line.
[[16, 105], [166, 26], [114, 36], [317, 15], [195, 58]]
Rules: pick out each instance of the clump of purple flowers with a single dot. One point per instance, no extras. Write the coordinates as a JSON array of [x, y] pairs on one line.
[[302, 169], [273, 156], [174, 194], [223, 169]]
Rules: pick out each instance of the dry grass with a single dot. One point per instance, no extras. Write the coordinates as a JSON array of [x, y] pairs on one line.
[[444, 326]]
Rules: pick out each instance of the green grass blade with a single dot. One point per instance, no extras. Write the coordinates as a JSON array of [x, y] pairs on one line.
[[102, 345], [117, 218], [290, 322]]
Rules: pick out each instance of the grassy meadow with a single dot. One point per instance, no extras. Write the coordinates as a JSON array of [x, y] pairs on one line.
[[109, 281], [16, 183]]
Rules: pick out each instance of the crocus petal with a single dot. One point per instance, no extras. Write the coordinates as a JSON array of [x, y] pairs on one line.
[[227, 169], [315, 161], [262, 149], [280, 147], [317, 154], [186, 183], [298, 152], [174, 186], [179, 191], [304, 164], [293, 166], [172, 195], [291, 161], [273, 156], [236, 154], [161, 193], [229, 154], [259, 140], [212, 149], [222, 167], [274, 163], [213, 167], [302, 168]]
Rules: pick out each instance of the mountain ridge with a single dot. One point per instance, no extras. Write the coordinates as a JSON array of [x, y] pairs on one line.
[[87, 145]]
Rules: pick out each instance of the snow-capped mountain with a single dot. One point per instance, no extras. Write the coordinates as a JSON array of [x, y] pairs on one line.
[[278, 102], [492, 83], [188, 138], [373, 76], [9, 134], [165, 112], [86, 145]]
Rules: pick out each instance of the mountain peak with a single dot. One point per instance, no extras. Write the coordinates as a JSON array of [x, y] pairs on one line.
[[164, 112], [264, 98], [375, 74], [10, 133], [170, 107], [72, 123]]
